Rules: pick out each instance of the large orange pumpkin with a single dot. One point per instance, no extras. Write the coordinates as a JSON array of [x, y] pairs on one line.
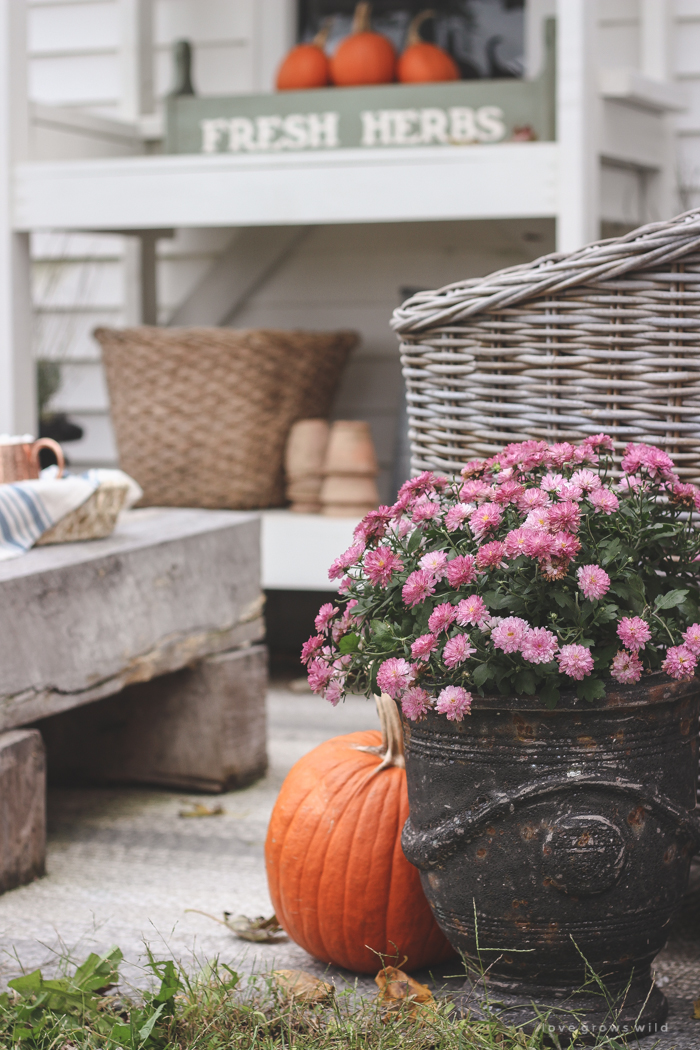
[[424, 63], [306, 66], [339, 882], [363, 57]]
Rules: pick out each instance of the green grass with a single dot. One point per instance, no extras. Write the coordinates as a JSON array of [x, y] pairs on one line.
[[219, 1009]]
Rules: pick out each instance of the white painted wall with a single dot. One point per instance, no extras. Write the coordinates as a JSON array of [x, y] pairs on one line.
[[346, 276]]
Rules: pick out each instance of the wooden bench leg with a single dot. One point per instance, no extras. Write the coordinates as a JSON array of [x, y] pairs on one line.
[[22, 807], [199, 729]]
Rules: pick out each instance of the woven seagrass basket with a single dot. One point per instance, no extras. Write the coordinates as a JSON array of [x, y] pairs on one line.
[[605, 339], [201, 415]]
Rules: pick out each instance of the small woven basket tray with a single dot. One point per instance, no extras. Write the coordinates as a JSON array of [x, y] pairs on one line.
[[92, 520]]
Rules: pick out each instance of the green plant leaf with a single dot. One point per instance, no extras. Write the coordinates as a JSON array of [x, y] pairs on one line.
[[349, 643], [414, 541], [525, 682], [670, 600], [549, 694], [481, 674], [590, 689]]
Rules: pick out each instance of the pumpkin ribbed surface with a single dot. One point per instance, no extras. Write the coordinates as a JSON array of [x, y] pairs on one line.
[[339, 882], [424, 63], [306, 66]]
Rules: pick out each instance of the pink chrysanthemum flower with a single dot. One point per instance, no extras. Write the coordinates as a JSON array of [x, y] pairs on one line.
[[415, 703], [531, 499], [471, 610], [425, 510], [325, 614], [475, 492], [680, 662], [538, 645], [381, 564], [575, 661], [319, 675], [626, 667], [484, 519], [515, 542], [454, 702], [424, 646], [692, 638], [508, 635], [587, 480], [351, 557], [561, 453], [604, 500], [394, 675], [474, 468], [538, 543], [599, 442], [570, 491], [442, 617], [593, 581], [564, 545], [538, 519], [509, 492], [633, 632], [345, 585], [419, 586], [457, 650], [435, 563], [461, 570], [335, 691], [309, 647], [491, 554], [565, 516], [373, 525], [551, 482], [457, 515], [656, 462]]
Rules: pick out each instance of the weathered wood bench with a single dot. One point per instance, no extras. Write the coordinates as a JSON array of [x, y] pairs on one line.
[[158, 623]]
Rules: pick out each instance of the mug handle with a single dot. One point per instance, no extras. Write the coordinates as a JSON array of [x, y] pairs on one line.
[[55, 448]]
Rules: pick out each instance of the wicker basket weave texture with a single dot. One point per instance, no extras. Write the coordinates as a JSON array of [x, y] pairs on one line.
[[201, 415], [604, 339]]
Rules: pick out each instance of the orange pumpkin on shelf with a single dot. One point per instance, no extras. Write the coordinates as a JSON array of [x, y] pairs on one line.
[[339, 882], [421, 62], [306, 65], [364, 57]]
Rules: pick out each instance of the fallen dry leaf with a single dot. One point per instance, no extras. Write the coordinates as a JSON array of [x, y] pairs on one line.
[[198, 809], [696, 1010], [260, 930], [397, 990], [302, 986]]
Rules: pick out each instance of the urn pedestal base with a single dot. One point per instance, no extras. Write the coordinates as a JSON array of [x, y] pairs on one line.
[[638, 1010]]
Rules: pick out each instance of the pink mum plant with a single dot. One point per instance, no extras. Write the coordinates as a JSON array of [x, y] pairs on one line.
[[534, 571]]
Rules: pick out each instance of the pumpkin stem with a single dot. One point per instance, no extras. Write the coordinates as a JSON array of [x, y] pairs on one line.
[[362, 19], [321, 38], [391, 748], [414, 36]]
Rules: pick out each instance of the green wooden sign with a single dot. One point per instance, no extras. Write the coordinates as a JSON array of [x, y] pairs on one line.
[[457, 113]]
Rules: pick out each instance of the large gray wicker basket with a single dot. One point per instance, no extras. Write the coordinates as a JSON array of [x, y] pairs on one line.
[[605, 339]]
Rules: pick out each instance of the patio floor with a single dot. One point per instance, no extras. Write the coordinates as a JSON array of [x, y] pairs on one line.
[[124, 867]]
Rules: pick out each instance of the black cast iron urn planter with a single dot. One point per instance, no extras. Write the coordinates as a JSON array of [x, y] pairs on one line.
[[558, 836]]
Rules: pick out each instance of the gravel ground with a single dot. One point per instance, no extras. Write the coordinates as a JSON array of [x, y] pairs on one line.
[[124, 868]]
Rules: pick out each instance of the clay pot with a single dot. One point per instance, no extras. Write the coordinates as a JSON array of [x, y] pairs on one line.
[[306, 448], [299, 507], [346, 488], [305, 489], [351, 449]]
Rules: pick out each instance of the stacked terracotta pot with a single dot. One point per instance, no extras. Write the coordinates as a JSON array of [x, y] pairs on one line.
[[303, 462], [331, 470]]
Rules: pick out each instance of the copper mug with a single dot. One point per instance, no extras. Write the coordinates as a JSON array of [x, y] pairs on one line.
[[19, 460]]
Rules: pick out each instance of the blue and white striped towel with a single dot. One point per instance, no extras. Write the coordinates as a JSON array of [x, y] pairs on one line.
[[29, 508]]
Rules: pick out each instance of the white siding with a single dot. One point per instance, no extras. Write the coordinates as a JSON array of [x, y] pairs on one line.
[[686, 67]]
